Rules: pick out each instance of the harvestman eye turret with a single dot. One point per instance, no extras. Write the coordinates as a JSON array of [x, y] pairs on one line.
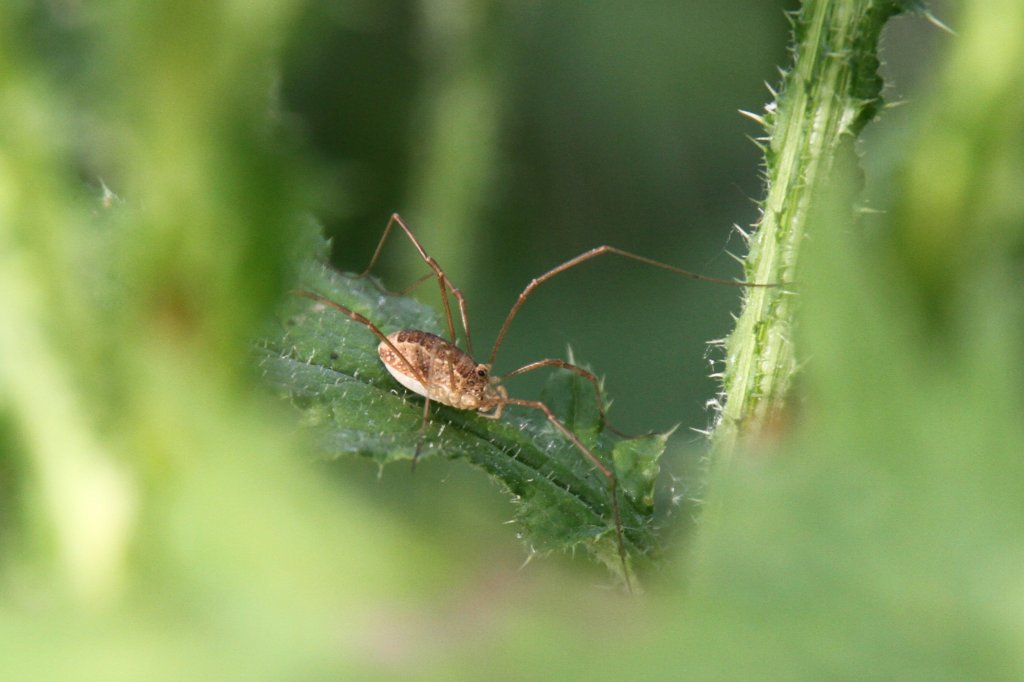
[[438, 370]]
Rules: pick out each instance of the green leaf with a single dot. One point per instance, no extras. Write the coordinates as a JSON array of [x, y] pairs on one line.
[[327, 366]]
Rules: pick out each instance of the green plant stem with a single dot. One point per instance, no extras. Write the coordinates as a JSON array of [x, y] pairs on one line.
[[829, 94]]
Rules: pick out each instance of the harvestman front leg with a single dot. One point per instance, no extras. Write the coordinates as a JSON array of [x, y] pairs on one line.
[[442, 279], [589, 255], [571, 263], [605, 471], [555, 362]]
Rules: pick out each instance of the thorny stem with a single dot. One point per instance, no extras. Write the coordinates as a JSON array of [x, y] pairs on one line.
[[829, 94]]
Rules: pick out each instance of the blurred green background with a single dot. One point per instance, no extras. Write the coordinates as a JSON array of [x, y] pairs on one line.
[[160, 517]]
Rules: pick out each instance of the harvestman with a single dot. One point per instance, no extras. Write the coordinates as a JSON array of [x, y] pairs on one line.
[[438, 370]]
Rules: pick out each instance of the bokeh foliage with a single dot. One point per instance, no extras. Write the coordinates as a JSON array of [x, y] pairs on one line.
[[160, 515]]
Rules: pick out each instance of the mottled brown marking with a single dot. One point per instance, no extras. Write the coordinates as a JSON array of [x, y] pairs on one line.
[[449, 374]]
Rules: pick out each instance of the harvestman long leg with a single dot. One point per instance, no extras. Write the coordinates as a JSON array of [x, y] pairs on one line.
[[555, 362], [613, 484], [589, 255], [352, 314], [571, 263], [442, 279]]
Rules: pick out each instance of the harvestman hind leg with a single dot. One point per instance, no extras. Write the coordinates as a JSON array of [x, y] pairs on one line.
[[415, 372], [353, 315], [443, 282]]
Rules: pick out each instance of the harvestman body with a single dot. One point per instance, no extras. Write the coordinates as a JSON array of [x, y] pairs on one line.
[[438, 370]]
